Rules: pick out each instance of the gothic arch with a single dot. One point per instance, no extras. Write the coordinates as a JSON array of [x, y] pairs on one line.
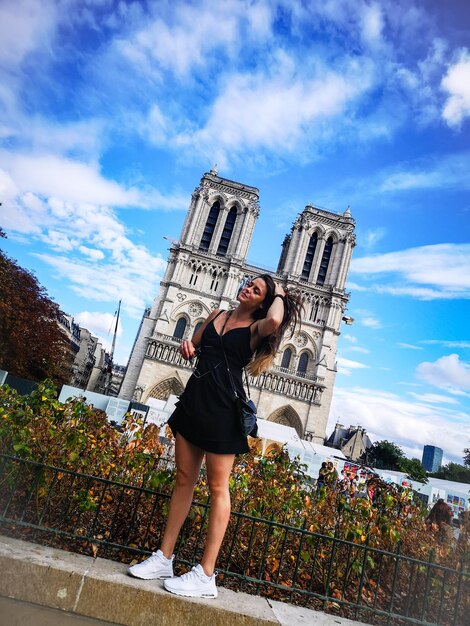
[[165, 388], [333, 234], [212, 219], [287, 416], [237, 204], [291, 347], [304, 363], [196, 265], [180, 328], [217, 197], [196, 326], [319, 229], [182, 309], [310, 255]]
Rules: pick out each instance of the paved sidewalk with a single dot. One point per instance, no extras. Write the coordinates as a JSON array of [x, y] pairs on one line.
[[60, 588]]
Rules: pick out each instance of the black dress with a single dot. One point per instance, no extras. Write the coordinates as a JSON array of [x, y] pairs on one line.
[[205, 414]]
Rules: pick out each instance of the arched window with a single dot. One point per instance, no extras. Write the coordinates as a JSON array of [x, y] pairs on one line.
[[303, 363], [214, 282], [194, 276], [180, 328], [210, 226], [309, 256], [227, 232], [324, 261], [197, 327], [314, 311], [286, 358]]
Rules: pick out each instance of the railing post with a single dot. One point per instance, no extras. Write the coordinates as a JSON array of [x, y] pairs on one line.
[[426, 586], [461, 575], [394, 581]]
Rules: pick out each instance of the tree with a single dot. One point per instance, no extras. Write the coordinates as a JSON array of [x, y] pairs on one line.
[[466, 458], [31, 343], [385, 455], [414, 469], [453, 471]]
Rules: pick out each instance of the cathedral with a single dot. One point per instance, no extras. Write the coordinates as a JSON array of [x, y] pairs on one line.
[[205, 270]]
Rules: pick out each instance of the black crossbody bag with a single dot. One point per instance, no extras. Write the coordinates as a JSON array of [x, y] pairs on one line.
[[246, 408]]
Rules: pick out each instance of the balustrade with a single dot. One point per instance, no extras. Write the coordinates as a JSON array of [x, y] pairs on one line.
[[305, 387]]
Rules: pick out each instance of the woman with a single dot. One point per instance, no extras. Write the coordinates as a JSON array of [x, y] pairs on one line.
[[206, 421]]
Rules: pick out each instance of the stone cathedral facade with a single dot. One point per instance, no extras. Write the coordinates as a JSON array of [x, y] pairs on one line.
[[205, 270]]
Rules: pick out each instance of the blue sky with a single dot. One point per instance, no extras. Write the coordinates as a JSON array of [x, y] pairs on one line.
[[110, 112]]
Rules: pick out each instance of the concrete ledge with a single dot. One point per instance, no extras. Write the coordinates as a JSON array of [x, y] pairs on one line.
[[98, 589]]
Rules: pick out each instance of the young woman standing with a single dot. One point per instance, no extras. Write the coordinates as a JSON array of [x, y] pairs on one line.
[[206, 422]]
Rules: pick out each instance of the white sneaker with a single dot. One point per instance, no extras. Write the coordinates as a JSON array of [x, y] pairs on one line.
[[156, 566], [195, 584]]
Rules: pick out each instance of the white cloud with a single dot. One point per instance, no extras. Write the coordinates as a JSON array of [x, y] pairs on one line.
[[367, 319], [372, 24], [55, 177], [447, 373], [102, 325], [50, 175], [457, 85], [183, 40], [409, 346], [410, 424], [93, 253], [345, 366], [420, 293], [444, 269], [373, 236], [433, 398], [59, 240], [24, 26], [435, 172], [370, 322], [277, 111], [15, 214], [447, 343], [98, 323], [359, 349], [130, 280]]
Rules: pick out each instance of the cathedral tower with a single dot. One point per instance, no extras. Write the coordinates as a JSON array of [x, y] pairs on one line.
[[205, 269]]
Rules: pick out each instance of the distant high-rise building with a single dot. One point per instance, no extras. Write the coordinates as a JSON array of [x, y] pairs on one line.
[[432, 458]]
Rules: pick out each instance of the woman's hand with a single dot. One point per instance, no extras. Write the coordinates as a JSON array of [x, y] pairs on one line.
[[187, 349], [279, 290]]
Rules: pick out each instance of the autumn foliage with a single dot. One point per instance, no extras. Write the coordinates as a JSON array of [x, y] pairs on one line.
[[32, 345], [283, 533]]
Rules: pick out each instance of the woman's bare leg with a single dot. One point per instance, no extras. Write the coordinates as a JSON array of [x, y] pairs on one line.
[[188, 464], [218, 467]]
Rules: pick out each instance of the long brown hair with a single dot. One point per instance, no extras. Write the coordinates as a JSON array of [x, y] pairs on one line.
[[293, 309]]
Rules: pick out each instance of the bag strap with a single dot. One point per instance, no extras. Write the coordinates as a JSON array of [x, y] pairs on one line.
[[229, 313]]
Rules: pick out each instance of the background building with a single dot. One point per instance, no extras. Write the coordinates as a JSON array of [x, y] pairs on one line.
[[432, 458], [205, 270], [353, 441]]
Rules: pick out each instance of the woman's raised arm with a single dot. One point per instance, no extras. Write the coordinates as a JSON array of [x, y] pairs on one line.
[[188, 347]]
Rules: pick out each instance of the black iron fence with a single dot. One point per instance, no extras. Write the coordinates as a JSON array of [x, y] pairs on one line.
[[97, 516]]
